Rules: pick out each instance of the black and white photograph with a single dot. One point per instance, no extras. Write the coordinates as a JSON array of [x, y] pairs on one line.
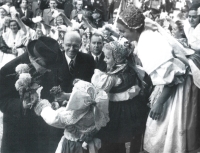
[[99, 76]]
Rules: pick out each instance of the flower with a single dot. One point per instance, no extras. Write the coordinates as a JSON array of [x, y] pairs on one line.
[[26, 77], [22, 68], [23, 82], [55, 90], [20, 84]]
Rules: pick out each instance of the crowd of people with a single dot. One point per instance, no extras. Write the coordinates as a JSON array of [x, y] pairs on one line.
[[88, 76]]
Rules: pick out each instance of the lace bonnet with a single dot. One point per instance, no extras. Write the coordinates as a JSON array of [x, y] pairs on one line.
[[119, 51]]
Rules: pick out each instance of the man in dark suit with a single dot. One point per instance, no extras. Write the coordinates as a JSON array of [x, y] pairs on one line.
[[23, 131], [96, 45], [76, 65], [47, 13], [26, 14]]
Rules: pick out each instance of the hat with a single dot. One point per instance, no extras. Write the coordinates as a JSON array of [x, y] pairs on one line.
[[6, 8], [97, 10], [48, 49], [194, 6]]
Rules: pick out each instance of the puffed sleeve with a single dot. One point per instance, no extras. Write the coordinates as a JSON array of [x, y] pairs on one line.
[[57, 118], [171, 71], [104, 81]]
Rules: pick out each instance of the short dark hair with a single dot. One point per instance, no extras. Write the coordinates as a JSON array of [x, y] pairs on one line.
[[21, 1], [97, 35]]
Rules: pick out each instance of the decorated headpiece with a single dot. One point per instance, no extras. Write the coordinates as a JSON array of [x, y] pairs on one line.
[[119, 51], [132, 17]]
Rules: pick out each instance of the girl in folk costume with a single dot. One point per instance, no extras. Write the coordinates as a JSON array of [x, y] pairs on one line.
[[128, 109], [85, 114], [170, 126]]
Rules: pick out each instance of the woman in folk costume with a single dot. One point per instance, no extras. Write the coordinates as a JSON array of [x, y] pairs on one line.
[[85, 114], [171, 127], [13, 40], [5, 56], [4, 18], [128, 99]]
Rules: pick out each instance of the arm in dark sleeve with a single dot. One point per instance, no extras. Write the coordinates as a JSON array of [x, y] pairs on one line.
[[10, 102], [3, 46]]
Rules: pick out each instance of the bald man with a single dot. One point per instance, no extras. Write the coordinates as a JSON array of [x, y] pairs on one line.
[[76, 65]]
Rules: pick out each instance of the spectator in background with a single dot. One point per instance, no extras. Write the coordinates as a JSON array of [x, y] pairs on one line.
[[192, 27], [4, 10], [96, 45], [13, 40], [77, 12], [112, 19], [47, 13], [85, 43], [101, 5], [26, 14], [97, 21]]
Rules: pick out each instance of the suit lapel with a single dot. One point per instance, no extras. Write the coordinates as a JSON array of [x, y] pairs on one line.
[[64, 70], [21, 13]]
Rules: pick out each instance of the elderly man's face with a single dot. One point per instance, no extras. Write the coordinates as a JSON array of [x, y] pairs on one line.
[[72, 44]]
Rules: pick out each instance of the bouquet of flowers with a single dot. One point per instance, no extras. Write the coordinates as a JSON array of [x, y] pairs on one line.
[[57, 92], [25, 85]]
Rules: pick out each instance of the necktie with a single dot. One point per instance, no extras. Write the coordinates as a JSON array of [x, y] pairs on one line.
[[96, 59], [71, 67]]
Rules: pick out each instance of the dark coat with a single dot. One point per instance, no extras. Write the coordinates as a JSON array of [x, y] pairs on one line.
[[29, 15], [23, 131], [84, 69], [26, 132], [97, 23], [101, 65]]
